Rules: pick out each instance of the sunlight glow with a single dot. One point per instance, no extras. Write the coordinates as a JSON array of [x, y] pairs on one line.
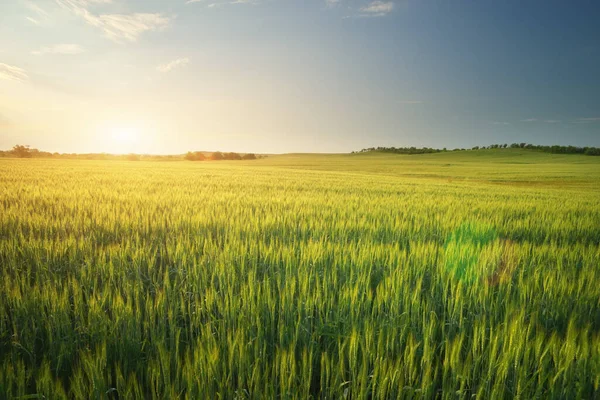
[[124, 140]]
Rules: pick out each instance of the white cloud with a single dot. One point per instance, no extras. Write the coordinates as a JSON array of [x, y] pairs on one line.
[[332, 3], [32, 20], [552, 121], [586, 120], [529, 120], [11, 73], [377, 8], [220, 3], [40, 14], [170, 66], [36, 9], [117, 27], [65, 49], [87, 3], [129, 27]]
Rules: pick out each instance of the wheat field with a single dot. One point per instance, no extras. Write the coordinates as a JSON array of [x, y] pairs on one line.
[[463, 275]]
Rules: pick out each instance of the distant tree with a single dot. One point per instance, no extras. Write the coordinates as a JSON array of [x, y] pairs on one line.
[[592, 151], [217, 156], [232, 156], [252, 156], [133, 157], [21, 151], [195, 156]]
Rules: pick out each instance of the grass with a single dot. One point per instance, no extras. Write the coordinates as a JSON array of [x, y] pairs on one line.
[[453, 275]]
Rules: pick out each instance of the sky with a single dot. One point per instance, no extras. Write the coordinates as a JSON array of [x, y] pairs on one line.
[[281, 76]]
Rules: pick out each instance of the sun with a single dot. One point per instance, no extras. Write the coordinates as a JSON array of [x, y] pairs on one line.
[[124, 136], [124, 140]]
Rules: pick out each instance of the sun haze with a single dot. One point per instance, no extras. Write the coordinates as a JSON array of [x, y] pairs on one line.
[[296, 76]]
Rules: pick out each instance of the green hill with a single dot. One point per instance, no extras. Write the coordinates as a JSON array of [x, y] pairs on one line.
[[497, 165]]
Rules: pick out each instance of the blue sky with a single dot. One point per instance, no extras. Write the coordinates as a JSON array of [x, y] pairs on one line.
[[297, 76]]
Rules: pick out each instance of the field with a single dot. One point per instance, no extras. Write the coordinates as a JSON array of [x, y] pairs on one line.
[[454, 275]]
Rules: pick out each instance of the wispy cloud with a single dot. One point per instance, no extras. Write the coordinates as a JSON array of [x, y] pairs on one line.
[[500, 123], [11, 73], [117, 27], [587, 120], [548, 121], [63, 49], [218, 3], [556, 121], [377, 8], [32, 20], [170, 66], [40, 14], [36, 9], [332, 3], [130, 27], [87, 3]]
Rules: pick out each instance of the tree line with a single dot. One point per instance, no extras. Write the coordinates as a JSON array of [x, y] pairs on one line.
[[401, 150], [26, 151], [589, 151], [217, 156]]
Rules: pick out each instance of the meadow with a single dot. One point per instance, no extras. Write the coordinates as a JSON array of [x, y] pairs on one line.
[[367, 276]]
